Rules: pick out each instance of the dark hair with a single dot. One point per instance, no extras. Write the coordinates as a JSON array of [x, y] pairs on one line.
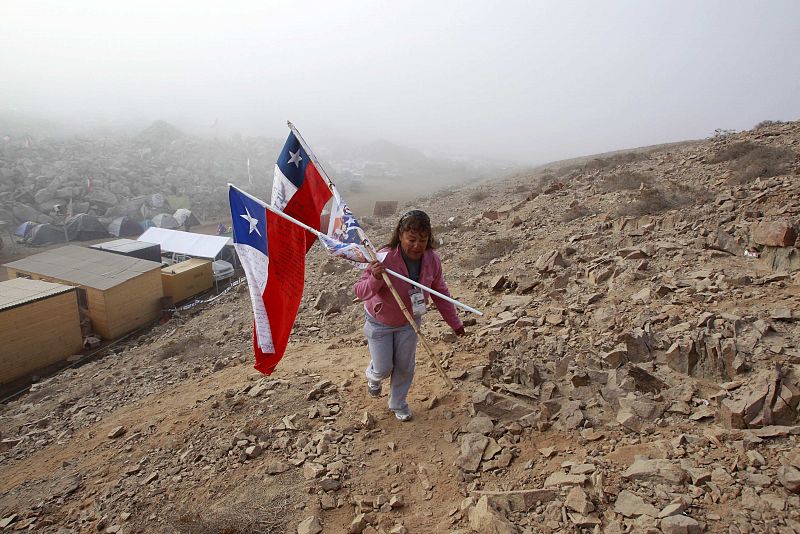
[[415, 221]]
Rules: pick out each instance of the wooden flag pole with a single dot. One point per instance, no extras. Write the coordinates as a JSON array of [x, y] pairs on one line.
[[373, 255], [323, 236]]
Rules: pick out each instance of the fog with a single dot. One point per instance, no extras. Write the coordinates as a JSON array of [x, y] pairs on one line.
[[516, 82]]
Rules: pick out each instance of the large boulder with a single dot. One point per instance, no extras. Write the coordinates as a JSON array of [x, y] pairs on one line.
[[43, 195], [774, 234], [636, 408], [332, 301], [724, 241], [486, 520], [680, 524], [660, 471], [706, 356], [768, 400], [23, 213], [789, 476], [53, 205], [102, 197], [630, 378], [472, 447], [783, 259], [639, 345]]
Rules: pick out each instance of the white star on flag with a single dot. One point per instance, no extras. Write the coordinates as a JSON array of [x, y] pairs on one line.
[[296, 158], [252, 221]]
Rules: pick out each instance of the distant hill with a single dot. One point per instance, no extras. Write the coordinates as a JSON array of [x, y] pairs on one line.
[[14, 124]]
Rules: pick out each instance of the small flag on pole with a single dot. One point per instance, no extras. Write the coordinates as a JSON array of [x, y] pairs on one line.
[[272, 253], [344, 237]]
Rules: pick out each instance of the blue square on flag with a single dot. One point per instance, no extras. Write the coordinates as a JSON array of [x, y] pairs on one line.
[[249, 221]]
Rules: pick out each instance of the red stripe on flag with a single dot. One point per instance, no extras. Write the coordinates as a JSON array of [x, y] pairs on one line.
[[307, 203], [287, 253]]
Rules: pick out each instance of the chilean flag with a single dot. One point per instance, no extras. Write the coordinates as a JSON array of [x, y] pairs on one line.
[[272, 252], [298, 189]]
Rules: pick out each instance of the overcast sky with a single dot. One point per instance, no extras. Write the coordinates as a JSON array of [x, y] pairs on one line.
[[514, 81]]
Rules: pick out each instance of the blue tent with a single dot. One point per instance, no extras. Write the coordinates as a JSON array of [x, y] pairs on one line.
[[124, 227], [83, 227], [24, 229], [46, 234]]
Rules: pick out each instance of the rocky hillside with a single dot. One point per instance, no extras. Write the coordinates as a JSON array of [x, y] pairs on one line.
[[161, 169], [117, 175], [636, 371]]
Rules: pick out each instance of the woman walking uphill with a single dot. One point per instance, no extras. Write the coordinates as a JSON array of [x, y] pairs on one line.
[[392, 341]]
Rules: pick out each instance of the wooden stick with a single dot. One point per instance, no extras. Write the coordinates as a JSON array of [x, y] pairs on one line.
[[389, 271]]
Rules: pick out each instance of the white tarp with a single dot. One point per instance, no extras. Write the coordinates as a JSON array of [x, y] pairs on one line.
[[191, 244]]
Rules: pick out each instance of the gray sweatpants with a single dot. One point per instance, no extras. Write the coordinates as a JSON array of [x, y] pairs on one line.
[[393, 350]]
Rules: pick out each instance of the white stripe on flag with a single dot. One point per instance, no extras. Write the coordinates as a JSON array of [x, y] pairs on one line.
[[282, 190], [256, 268]]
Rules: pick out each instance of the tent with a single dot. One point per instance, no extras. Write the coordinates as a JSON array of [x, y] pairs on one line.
[[24, 229], [165, 220], [46, 234], [183, 215], [124, 227], [83, 227]]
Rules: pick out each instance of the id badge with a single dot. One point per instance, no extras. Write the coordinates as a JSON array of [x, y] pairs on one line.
[[418, 306]]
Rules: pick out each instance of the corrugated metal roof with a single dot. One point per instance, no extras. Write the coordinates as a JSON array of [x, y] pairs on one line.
[[85, 266], [123, 245], [21, 291]]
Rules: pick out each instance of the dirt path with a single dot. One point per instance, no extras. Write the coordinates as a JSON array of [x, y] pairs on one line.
[[416, 457]]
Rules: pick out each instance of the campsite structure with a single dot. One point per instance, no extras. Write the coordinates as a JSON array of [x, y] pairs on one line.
[[384, 208], [187, 279], [131, 248], [45, 234], [119, 292], [186, 243], [39, 326], [124, 227], [179, 246], [165, 220], [186, 218], [84, 227]]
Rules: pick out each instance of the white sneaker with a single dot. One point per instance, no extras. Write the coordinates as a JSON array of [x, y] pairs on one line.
[[403, 415], [374, 388]]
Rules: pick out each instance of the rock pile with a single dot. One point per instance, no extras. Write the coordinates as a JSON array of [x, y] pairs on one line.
[[636, 371], [125, 176]]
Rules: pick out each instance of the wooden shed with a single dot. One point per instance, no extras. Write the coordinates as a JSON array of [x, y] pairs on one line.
[[119, 292], [39, 326], [384, 208], [187, 279]]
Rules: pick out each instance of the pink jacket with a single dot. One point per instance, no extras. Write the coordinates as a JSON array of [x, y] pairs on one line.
[[379, 302]]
